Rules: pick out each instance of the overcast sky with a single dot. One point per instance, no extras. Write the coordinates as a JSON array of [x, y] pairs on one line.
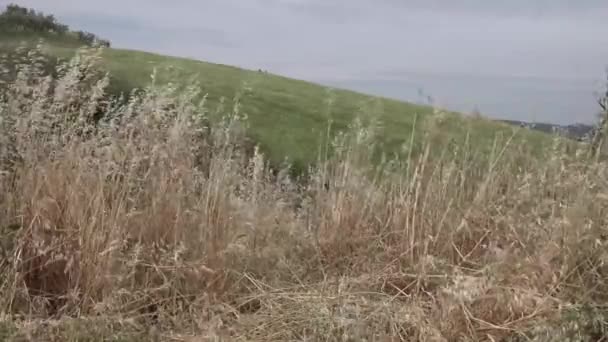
[[375, 45]]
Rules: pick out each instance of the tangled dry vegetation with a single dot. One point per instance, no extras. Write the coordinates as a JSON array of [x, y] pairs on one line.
[[149, 222]]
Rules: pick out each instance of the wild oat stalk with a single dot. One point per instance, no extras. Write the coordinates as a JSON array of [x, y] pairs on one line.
[[149, 209]]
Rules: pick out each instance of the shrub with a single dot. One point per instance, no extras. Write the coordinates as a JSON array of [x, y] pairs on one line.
[[91, 39]]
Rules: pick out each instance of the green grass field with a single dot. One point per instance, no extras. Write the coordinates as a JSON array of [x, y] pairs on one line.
[[288, 118]]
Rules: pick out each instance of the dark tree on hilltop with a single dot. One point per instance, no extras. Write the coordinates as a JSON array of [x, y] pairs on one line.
[[16, 19], [21, 19]]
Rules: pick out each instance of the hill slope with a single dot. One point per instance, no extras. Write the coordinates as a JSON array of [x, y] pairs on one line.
[[287, 117]]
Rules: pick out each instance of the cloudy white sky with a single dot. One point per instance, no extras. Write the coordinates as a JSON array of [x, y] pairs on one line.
[[520, 59]]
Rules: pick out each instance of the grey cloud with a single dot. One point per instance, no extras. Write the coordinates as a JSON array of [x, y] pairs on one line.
[[125, 31], [530, 8]]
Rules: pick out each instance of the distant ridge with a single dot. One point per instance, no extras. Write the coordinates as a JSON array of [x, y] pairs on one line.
[[574, 131]]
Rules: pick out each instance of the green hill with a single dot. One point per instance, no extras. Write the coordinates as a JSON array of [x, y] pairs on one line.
[[287, 117]]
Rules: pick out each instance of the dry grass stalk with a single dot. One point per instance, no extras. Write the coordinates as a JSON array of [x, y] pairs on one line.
[[152, 212]]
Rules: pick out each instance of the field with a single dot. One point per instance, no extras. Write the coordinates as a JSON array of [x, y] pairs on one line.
[[288, 118], [156, 222]]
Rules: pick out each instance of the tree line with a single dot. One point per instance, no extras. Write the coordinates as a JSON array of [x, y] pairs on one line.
[[16, 19]]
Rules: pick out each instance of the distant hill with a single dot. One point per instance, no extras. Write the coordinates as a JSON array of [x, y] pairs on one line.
[[574, 131]]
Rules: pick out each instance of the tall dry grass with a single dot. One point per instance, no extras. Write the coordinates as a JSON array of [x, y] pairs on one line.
[[154, 215]]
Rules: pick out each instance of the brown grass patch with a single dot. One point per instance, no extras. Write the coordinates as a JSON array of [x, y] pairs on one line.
[[143, 216]]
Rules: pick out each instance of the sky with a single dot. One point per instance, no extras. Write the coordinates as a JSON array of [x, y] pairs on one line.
[[535, 60]]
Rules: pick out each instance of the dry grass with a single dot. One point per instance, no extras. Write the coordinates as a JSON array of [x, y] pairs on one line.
[[154, 223]]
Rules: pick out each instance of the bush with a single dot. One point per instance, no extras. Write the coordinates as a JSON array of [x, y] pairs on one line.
[[91, 39]]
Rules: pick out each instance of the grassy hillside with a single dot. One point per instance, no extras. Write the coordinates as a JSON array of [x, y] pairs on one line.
[[287, 117]]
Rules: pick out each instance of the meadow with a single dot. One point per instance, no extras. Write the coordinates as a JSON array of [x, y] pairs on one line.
[[291, 120], [156, 221]]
